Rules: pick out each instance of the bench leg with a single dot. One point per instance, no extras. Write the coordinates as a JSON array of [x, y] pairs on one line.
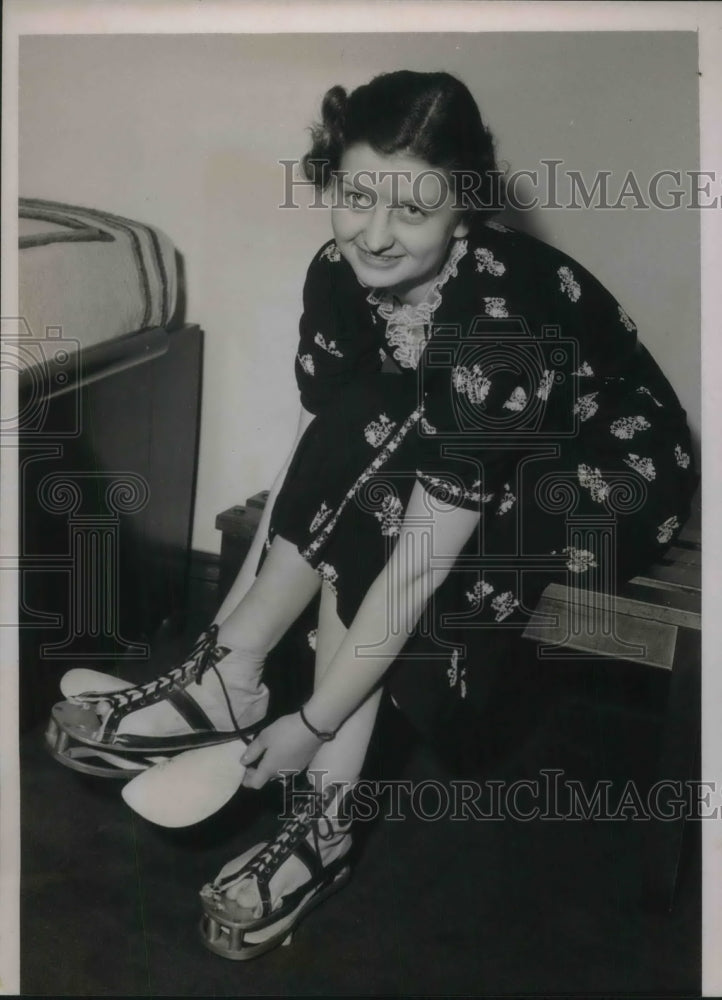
[[678, 753]]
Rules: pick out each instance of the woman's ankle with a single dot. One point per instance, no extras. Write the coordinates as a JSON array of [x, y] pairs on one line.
[[334, 798], [241, 677], [240, 650]]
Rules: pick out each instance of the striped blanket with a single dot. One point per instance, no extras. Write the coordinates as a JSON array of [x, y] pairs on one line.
[[93, 275]]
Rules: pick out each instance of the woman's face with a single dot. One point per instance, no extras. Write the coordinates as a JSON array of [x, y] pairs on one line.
[[393, 220]]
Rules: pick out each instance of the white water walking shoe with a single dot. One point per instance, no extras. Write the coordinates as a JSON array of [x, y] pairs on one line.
[[116, 729], [253, 922]]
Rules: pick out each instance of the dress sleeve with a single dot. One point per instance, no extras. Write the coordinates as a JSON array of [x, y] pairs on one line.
[[474, 400], [337, 339], [540, 348], [604, 381]]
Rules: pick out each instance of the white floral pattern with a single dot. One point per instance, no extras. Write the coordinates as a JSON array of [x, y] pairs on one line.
[[584, 370], [368, 472], [330, 346], [503, 605], [579, 560], [507, 501], [473, 495], [586, 406], [377, 431], [495, 307], [426, 427], [328, 575], [311, 638], [569, 284], [321, 515], [627, 427], [478, 592], [471, 382], [306, 362], [545, 384], [592, 480], [476, 495], [485, 261], [666, 529], [625, 320], [331, 253], [436, 482], [644, 466], [643, 389], [391, 515], [681, 457], [517, 401], [455, 675], [452, 671], [493, 224]]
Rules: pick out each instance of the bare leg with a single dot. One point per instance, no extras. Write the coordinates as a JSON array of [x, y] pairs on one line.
[[283, 588], [339, 760], [342, 758], [280, 592]]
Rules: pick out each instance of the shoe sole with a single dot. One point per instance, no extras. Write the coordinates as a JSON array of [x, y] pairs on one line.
[[76, 751], [225, 937]]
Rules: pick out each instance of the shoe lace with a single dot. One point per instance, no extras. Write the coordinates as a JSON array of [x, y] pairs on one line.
[[205, 655], [309, 817]]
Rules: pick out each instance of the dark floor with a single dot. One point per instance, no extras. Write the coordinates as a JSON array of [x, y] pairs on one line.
[[471, 907]]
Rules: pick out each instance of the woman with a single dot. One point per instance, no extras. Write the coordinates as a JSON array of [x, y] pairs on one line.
[[476, 414]]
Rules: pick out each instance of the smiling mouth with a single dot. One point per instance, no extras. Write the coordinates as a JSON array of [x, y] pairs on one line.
[[378, 258]]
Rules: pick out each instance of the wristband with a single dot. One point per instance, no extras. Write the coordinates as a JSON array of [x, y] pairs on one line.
[[324, 737]]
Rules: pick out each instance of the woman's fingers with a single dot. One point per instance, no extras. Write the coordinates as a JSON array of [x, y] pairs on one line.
[[286, 745], [254, 750], [255, 777]]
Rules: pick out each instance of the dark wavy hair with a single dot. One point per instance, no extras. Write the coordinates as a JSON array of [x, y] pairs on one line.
[[430, 116]]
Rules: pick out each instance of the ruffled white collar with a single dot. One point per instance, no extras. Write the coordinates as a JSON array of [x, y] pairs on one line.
[[408, 326]]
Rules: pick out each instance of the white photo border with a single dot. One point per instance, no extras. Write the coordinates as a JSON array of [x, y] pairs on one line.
[[51, 17]]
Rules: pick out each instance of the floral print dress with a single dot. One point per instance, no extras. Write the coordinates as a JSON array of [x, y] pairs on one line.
[[518, 389]]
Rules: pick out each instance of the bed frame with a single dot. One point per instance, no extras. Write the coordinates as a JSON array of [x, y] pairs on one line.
[[108, 442]]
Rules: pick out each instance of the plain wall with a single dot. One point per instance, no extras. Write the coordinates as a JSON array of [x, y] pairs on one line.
[[186, 133]]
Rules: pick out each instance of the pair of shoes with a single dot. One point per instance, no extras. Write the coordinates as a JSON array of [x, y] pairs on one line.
[[101, 731], [242, 932]]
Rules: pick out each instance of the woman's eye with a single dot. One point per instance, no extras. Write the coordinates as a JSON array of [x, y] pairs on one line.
[[413, 212], [358, 199]]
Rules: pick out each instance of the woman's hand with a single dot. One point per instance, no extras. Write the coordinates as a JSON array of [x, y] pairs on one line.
[[285, 745]]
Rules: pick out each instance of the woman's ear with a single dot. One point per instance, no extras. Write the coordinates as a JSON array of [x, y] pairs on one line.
[[462, 228]]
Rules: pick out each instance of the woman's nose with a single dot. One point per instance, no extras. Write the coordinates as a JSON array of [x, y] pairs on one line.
[[377, 233]]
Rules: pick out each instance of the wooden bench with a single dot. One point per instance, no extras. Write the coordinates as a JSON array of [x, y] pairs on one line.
[[655, 620], [237, 525]]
